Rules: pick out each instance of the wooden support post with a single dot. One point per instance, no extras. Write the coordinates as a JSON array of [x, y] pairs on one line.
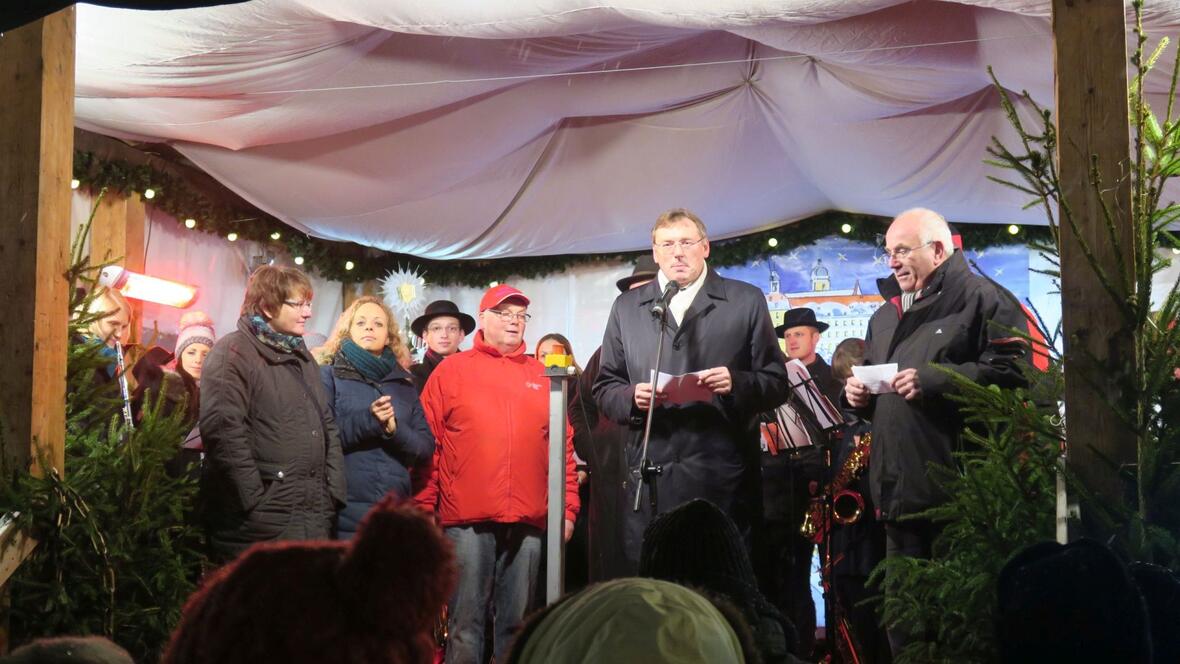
[[36, 166], [118, 234], [1092, 119]]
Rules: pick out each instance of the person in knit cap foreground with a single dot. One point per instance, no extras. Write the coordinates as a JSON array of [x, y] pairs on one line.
[[636, 621], [698, 545], [372, 600]]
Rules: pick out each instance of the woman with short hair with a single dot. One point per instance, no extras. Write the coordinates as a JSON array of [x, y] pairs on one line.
[[273, 466]]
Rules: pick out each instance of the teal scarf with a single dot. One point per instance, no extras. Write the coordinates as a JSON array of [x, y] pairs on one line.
[[372, 367], [284, 343]]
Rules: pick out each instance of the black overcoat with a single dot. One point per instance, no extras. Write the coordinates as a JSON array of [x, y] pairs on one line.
[[706, 449]]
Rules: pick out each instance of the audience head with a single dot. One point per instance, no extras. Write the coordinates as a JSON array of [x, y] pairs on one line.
[[369, 323], [193, 343], [114, 317], [632, 620], [698, 545], [1070, 603], [1160, 588], [503, 316], [442, 327], [281, 296], [917, 242], [849, 353], [372, 600], [69, 650], [680, 245]]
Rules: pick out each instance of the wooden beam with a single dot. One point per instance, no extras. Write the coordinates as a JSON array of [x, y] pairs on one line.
[[117, 234], [36, 164], [1090, 46]]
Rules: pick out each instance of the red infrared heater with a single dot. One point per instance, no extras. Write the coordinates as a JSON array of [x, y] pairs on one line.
[[150, 289]]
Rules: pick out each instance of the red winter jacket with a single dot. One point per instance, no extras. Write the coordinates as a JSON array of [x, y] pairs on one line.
[[490, 417]]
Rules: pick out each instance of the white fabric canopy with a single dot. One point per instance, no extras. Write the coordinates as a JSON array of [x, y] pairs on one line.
[[485, 128]]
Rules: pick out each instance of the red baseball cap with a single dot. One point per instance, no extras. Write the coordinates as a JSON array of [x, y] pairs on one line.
[[496, 295]]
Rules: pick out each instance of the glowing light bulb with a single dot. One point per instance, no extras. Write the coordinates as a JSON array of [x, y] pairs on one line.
[[493, 284], [276, 235], [348, 265], [149, 193], [846, 228], [773, 242], [1013, 229], [299, 260], [151, 289], [74, 184], [232, 237], [190, 223]]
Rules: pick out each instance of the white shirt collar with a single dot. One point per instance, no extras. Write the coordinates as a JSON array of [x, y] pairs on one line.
[[683, 298]]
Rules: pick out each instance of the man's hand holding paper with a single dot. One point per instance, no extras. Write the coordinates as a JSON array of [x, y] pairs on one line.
[[878, 378]]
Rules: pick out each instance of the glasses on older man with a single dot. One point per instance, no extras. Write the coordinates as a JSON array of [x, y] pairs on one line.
[[685, 245], [901, 252], [508, 316]]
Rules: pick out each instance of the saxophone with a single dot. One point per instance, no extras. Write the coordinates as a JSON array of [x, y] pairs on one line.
[[847, 503]]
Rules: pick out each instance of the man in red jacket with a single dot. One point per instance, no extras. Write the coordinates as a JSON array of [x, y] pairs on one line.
[[489, 410]]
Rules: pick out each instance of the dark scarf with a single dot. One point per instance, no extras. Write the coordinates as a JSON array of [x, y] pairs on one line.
[[371, 366], [284, 343]]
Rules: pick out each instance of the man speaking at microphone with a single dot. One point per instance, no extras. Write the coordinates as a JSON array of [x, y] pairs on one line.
[[720, 331]]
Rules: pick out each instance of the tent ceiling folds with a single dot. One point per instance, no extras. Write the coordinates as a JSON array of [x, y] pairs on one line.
[[496, 128]]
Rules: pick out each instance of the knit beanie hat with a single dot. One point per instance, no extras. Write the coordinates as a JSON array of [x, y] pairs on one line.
[[1070, 603], [698, 544], [195, 328]]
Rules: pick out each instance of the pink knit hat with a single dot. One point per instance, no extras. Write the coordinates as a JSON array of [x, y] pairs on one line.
[[195, 328]]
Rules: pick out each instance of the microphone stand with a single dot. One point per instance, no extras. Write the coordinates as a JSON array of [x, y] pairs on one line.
[[648, 470]]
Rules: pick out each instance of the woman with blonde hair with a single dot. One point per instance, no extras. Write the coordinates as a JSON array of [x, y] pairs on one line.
[[382, 426]]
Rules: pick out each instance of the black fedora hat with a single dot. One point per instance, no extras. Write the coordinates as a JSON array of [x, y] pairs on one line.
[[798, 317], [442, 308], [645, 270]]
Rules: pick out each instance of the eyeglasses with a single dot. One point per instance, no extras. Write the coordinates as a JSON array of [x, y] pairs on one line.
[[302, 306], [902, 252], [508, 316], [672, 244], [449, 329]]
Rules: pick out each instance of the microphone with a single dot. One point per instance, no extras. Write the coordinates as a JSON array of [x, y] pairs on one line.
[[661, 305]]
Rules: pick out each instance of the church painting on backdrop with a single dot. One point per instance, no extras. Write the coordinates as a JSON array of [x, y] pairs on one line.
[[837, 278]]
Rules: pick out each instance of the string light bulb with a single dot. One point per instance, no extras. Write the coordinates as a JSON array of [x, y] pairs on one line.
[[348, 265], [773, 242], [493, 284], [190, 223], [232, 237], [1013, 229], [75, 183], [299, 260], [149, 193], [846, 228], [276, 235]]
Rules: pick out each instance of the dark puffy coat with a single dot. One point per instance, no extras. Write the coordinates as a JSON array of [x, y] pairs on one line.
[[274, 468], [374, 462], [706, 450], [962, 322]]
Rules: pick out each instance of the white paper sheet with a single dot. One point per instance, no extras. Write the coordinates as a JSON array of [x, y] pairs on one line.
[[877, 377]]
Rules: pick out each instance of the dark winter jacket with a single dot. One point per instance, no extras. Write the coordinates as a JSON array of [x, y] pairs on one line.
[[706, 449], [961, 322], [422, 370], [375, 463], [273, 467]]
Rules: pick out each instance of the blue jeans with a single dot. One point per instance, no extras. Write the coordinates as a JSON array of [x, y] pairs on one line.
[[498, 565]]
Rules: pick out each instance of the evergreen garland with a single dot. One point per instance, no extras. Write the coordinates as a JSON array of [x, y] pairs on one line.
[[329, 258]]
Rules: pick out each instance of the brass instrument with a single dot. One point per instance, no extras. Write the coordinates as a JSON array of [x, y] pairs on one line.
[[847, 503]]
